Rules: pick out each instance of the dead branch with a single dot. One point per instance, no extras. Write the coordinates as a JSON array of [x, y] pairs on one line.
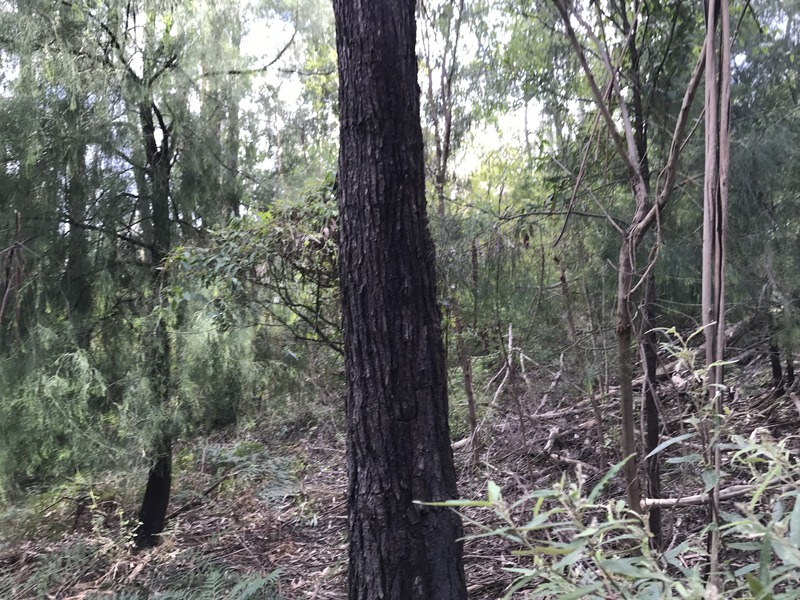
[[697, 499]]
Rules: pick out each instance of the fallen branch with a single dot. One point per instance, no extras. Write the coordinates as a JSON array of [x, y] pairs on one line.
[[698, 499]]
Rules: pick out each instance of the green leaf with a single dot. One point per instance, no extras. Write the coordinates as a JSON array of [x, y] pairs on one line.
[[669, 443], [671, 555], [582, 592], [689, 458], [764, 576], [612, 472], [628, 568], [756, 587], [570, 559], [710, 479], [456, 503], [794, 524], [789, 554], [494, 493]]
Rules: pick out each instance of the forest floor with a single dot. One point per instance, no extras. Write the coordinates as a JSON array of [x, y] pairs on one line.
[[251, 512]]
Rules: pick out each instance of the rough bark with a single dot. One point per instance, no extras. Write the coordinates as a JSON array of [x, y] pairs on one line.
[[398, 443]]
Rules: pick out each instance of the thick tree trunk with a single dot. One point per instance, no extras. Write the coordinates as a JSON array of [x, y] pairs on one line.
[[398, 443], [153, 512]]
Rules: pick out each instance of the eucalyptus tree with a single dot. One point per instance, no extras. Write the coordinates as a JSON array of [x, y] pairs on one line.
[[398, 446], [624, 57]]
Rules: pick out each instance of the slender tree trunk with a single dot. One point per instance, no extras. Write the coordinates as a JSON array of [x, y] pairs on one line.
[[77, 272], [715, 203], [231, 177], [629, 146], [573, 330], [650, 353], [624, 340], [398, 443], [153, 511], [774, 345], [466, 369]]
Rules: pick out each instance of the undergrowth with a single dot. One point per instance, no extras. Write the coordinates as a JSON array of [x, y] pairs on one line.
[[76, 539], [86, 567], [580, 544]]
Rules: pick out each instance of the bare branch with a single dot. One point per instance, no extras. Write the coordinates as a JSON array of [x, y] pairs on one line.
[[261, 69], [598, 96], [670, 171], [697, 499]]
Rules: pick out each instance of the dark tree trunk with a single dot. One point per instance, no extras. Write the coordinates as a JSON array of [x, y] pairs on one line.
[[77, 273], [153, 512], [398, 443], [778, 380], [775, 363]]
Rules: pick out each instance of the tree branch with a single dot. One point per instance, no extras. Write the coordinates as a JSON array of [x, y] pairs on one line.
[[697, 499], [261, 69]]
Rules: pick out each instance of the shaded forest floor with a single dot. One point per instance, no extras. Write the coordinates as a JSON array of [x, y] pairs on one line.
[[254, 514]]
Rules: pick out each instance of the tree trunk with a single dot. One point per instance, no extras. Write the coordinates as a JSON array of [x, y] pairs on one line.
[[631, 468], [153, 511], [650, 352], [77, 273], [466, 369], [774, 345], [231, 191], [398, 443], [775, 363]]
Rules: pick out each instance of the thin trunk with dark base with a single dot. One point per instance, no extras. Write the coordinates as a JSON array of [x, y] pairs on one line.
[[777, 369], [153, 511], [398, 442]]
